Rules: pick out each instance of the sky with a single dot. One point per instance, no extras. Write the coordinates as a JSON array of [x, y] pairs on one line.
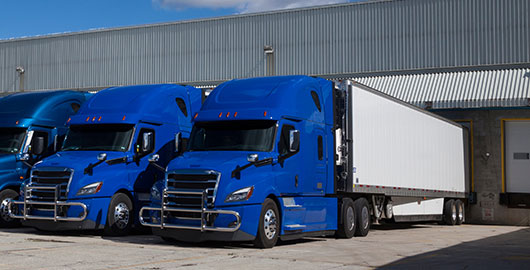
[[27, 18]]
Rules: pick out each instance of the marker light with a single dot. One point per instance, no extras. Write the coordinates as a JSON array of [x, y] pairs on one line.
[[220, 114], [99, 119], [265, 113], [69, 119], [196, 114], [21, 178], [93, 119], [88, 118], [227, 114], [16, 123], [235, 114], [123, 119]]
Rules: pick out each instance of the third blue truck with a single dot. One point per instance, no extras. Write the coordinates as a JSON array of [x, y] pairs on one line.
[[32, 127], [294, 156]]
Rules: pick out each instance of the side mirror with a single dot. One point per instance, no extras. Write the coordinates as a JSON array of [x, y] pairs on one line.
[[294, 140], [178, 142], [147, 142], [154, 158], [55, 143], [252, 158], [37, 146], [27, 144]]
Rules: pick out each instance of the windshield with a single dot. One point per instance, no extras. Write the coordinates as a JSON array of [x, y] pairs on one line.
[[98, 138], [233, 136], [11, 139]]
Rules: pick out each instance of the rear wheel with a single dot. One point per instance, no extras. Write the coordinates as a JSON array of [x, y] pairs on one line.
[[5, 220], [269, 225], [460, 212], [362, 211], [450, 214], [347, 223], [119, 216]]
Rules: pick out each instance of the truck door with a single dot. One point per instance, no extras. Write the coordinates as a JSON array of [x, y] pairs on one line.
[[141, 175], [290, 166]]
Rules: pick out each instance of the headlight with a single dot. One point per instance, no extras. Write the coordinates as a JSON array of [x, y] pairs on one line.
[[240, 195], [90, 189]]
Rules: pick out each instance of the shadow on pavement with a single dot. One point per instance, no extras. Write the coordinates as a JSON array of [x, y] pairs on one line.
[[507, 251]]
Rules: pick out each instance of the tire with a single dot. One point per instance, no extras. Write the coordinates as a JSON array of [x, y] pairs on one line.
[[119, 216], [450, 213], [269, 225], [347, 223], [5, 220], [460, 212], [364, 220]]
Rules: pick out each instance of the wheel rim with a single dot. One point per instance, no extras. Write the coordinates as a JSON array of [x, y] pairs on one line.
[[121, 215], [350, 218], [4, 211], [453, 212], [269, 224], [461, 212], [366, 217]]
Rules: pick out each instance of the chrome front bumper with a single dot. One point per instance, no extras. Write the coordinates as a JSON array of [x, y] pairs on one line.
[[203, 211], [56, 203]]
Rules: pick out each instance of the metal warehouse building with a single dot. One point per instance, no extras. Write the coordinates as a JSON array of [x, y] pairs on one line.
[[468, 60]]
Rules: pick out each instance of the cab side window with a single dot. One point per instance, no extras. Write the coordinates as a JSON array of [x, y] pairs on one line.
[[182, 106], [283, 144], [146, 142]]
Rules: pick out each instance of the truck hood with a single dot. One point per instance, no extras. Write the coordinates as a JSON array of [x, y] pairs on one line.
[[226, 162], [79, 160]]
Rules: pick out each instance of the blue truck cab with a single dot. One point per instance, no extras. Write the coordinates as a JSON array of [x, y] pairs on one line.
[[32, 125], [244, 167], [111, 156]]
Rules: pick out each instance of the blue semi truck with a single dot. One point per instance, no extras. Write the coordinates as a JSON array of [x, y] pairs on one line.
[[294, 156], [103, 175], [32, 125]]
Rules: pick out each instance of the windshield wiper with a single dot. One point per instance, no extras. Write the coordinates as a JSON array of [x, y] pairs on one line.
[[90, 169], [236, 173]]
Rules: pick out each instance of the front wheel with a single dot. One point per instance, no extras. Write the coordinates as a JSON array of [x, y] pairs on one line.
[[269, 225], [119, 216], [5, 220]]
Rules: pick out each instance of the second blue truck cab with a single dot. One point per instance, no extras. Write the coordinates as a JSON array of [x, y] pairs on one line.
[[32, 126], [112, 155], [244, 168]]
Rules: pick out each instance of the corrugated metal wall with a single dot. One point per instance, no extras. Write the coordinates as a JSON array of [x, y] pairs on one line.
[[342, 39], [477, 89]]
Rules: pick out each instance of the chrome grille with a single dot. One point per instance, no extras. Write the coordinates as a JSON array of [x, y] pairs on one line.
[[49, 178], [201, 181]]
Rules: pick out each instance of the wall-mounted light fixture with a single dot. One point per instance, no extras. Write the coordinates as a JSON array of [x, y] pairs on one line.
[[20, 70], [268, 49]]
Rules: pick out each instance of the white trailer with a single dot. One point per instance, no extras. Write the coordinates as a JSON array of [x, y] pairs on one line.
[[408, 162]]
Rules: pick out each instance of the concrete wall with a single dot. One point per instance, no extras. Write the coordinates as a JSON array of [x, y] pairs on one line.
[[488, 170]]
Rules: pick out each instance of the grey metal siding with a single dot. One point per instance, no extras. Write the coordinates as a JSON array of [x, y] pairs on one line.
[[478, 89], [374, 36]]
